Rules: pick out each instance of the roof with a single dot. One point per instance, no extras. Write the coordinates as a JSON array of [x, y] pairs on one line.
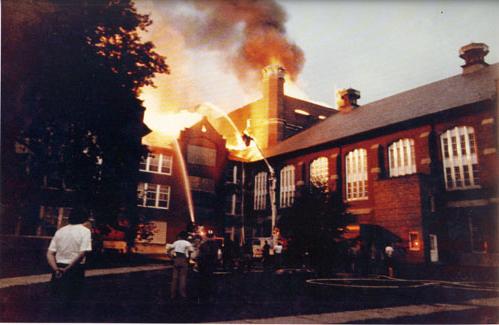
[[429, 99]]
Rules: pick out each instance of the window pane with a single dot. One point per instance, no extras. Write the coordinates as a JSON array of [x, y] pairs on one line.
[[472, 143], [164, 196], [454, 145], [446, 147], [153, 162], [140, 194], [466, 172], [150, 195], [143, 163], [166, 164]]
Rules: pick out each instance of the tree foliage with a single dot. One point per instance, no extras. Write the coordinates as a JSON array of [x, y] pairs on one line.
[[315, 226], [77, 105]]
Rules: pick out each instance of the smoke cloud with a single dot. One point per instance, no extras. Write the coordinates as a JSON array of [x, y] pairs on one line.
[[250, 32], [216, 50]]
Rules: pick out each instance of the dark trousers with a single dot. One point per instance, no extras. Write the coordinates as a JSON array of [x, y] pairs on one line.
[[206, 280], [67, 289]]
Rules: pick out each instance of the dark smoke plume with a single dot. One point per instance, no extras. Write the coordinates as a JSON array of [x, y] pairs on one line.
[[251, 33]]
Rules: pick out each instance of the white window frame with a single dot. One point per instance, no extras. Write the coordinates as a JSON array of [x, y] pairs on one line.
[[319, 172], [402, 157], [158, 190], [287, 186], [460, 158], [260, 191], [356, 176], [165, 161]]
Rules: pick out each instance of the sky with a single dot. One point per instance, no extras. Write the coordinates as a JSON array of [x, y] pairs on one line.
[[377, 47]]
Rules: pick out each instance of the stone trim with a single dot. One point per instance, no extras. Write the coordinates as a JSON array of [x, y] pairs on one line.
[[375, 146], [425, 161], [334, 177], [489, 151], [375, 170], [468, 203], [424, 134], [488, 121], [360, 211]]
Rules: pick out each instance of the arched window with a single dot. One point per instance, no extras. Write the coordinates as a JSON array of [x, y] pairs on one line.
[[319, 172], [459, 158], [402, 157], [356, 174], [260, 192], [287, 182]]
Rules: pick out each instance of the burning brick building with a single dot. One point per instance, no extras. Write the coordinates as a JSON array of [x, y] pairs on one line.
[[421, 166], [180, 183]]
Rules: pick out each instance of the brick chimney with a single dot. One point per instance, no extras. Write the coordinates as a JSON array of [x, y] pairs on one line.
[[473, 55], [346, 99], [273, 82], [273, 101]]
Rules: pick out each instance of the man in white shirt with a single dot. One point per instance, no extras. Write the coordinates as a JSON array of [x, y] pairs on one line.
[[66, 256], [181, 249]]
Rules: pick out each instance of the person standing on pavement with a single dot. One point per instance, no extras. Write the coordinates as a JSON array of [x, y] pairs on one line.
[[66, 257], [278, 254], [266, 256], [389, 250], [207, 262], [181, 251]]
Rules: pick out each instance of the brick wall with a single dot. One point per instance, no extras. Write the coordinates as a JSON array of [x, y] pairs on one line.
[[397, 208]]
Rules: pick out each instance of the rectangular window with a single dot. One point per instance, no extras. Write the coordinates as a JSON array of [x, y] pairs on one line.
[[157, 163], [414, 241], [201, 156], [260, 191], [287, 186], [153, 195]]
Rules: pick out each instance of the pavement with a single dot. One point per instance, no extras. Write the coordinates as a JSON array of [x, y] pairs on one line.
[[140, 294], [44, 278]]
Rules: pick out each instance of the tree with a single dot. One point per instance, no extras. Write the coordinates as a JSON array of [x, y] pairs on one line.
[[79, 111], [315, 225]]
